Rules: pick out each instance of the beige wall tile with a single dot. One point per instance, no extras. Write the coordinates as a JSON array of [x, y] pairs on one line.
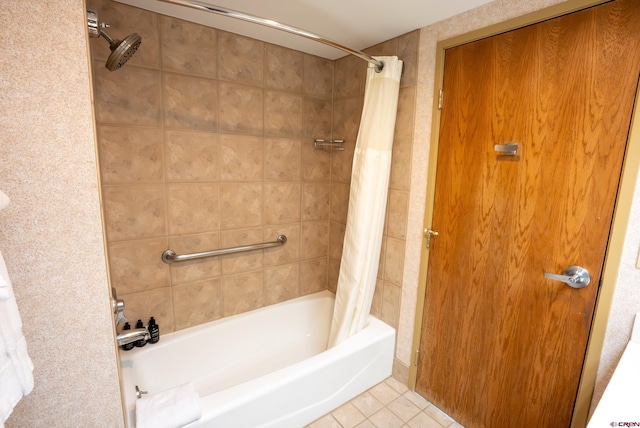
[[383, 251], [316, 164], [288, 253], [197, 303], [386, 48], [342, 163], [394, 260], [284, 69], [333, 274], [242, 158], [124, 20], [282, 203], [406, 113], [376, 304], [348, 77], [151, 303], [240, 59], [134, 212], [408, 53], [240, 205], [315, 239], [242, 292], [339, 202], [241, 108], [282, 114], [188, 47], [283, 159], [313, 275], [189, 102], [346, 118], [245, 261], [195, 270], [114, 103], [336, 240], [318, 76], [396, 221], [317, 118], [400, 177], [281, 283], [315, 201], [191, 156], [193, 207], [130, 154], [390, 304], [136, 265]]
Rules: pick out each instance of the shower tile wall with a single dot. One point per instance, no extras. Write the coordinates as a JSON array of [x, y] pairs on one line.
[[204, 142], [348, 99]]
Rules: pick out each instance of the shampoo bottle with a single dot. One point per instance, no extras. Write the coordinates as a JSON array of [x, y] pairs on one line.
[[154, 331], [141, 342], [128, 346]]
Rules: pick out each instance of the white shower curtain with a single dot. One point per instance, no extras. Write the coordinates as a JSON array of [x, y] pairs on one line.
[[367, 201]]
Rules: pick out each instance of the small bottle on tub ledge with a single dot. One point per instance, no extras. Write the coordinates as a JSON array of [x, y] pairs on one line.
[[154, 331]]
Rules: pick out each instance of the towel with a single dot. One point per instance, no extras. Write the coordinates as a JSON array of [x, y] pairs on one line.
[[4, 200], [15, 363], [173, 408]]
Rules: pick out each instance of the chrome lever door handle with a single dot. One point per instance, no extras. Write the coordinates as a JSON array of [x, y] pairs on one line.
[[573, 276]]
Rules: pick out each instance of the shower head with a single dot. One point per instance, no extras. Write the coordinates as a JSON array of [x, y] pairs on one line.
[[121, 50]]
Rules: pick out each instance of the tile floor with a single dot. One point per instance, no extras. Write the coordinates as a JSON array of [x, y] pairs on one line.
[[389, 404]]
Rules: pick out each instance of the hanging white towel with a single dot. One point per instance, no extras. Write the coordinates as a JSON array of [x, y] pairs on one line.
[[173, 408], [16, 367]]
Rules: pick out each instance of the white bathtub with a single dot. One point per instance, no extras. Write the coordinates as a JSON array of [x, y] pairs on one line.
[[264, 368]]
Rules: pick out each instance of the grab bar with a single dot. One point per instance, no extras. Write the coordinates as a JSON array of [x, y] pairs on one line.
[[170, 256]]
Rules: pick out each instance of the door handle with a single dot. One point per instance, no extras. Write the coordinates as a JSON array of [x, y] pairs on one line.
[[573, 276]]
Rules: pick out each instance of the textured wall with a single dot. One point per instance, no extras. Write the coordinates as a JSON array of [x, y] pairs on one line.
[[205, 141], [51, 234]]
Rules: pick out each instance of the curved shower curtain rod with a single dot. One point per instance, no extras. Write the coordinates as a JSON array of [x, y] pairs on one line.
[[379, 65]]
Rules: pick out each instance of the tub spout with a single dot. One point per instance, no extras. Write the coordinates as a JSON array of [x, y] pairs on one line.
[[132, 335]]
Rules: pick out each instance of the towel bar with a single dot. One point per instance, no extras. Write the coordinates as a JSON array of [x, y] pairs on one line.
[[170, 256]]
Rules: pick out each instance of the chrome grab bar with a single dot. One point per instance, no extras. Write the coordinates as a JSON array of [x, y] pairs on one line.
[[170, 256]]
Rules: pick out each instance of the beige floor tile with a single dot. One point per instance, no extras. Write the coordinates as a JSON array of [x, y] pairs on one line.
[[366, 424], [386, 419], [367, 404], [397, 385], [348, 415], [327, 421], [384, 393], [417, 400], [403, 408], [422, 420], [438, 415]]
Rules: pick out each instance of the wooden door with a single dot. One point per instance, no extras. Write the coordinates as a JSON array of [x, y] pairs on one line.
[[501, 345]]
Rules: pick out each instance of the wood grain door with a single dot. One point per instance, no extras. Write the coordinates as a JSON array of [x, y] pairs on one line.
[[501, 345]]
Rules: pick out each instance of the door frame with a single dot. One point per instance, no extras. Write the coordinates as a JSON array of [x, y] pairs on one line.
[[621, 216]]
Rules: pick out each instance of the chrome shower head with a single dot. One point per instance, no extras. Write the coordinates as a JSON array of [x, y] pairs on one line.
[[121, 50]]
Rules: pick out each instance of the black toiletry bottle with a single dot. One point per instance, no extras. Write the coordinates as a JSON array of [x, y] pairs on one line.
[[128, 346], [154, 331], [140, 342]]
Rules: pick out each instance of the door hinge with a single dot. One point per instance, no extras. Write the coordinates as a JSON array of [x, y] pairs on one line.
[[430, 234], [417, 355], [440, 100]]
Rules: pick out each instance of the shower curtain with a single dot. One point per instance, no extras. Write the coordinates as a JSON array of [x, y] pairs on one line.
[[367, 201]]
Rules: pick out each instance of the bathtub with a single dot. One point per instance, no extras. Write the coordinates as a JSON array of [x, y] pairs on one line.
[[265, 368]]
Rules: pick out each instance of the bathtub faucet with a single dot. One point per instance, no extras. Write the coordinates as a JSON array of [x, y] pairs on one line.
[[130, 336]]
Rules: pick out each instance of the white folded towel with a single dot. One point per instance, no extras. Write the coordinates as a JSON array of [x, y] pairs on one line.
[[13, 341], [173, 408], [4, 200]]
